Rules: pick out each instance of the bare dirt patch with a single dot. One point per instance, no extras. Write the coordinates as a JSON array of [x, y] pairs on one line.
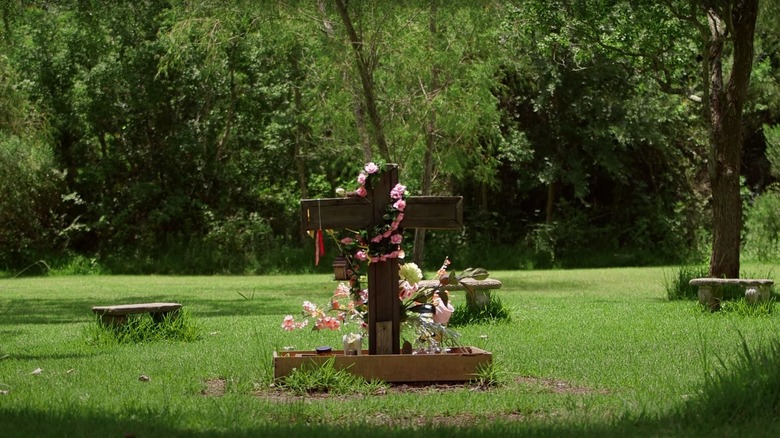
[[558, 386], [214, 388]]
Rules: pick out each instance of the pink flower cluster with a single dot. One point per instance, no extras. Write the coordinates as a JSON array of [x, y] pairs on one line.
[[328, 322], [341, 312], [289, 323], [390, 230], [368, 169]]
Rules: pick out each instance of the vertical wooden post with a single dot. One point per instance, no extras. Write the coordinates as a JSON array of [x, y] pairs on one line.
[[384, 333]]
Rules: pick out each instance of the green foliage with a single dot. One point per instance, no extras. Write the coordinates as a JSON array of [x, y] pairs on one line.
[[490, 376], [29, 197], [325, 378], [677, 285], [494, 311], [142, 328], [742, 307], [178, 137], [79, 265], [772, 134], [762, 227], [741, 392]]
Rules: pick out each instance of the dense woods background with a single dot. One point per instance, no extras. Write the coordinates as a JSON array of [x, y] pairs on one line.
[[178, 136]]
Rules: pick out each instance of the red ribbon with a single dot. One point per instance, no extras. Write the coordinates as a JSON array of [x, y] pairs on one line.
[[319, 247]]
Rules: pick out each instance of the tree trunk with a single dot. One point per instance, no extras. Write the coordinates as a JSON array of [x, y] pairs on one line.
[[735, 21], [430, 143], [552, 189], [360, 122], [365, 65], [301, 137], [360, 110]]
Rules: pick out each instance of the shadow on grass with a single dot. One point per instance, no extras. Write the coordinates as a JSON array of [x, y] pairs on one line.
[[53, 356], [740, 399], [64, 311], [142, 424]]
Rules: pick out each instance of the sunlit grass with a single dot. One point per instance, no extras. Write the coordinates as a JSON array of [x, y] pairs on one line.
[[586, 352]]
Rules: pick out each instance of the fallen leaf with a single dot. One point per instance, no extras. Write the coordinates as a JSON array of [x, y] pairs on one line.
[[144, 378], [4, 392], [36, 371], [70, 371]]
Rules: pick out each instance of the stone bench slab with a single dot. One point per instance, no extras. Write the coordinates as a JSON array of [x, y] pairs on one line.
[[117, 314], [487, 284], [731, 281], [477, 292]]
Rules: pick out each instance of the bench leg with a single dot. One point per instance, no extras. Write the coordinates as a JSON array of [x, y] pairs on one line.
[[159, 317], [113, 320], [751, 295], [764, 292], [710, 296], [478, 299]]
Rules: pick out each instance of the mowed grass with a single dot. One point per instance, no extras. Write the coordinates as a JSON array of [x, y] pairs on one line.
[[586, 353]]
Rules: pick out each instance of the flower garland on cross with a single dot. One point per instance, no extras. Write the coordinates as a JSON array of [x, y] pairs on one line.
[[379, 244]]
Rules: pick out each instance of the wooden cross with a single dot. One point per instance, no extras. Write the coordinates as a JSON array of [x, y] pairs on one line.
[[432, 212]]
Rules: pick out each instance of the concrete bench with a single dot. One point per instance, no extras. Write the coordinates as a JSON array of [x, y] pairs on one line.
[[117, 315], [711, 293], [477, 291]]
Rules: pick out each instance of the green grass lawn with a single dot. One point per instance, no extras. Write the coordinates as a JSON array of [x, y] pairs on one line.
[[587, 352]]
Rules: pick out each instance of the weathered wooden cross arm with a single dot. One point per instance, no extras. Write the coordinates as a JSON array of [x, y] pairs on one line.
[[431, 212]]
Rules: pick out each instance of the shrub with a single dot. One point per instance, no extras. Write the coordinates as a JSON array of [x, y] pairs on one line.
[[746, 391], [141, 328], [677, 287], [762, 227], [494, 311], [325, 378]]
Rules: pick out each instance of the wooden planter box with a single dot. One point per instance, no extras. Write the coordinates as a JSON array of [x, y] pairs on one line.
[[460, 364]]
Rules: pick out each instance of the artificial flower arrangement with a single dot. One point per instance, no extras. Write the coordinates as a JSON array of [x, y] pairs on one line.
[[424, 310]]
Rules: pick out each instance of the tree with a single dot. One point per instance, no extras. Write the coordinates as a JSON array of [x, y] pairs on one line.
[[728, 22], [659, 39]]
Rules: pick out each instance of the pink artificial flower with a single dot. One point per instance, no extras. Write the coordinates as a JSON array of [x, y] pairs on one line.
[[361, 179], [342, 291], [371, 168], [288, 323], [443, 270], [396, 239], [328, 322], [347, 241], [401, 254], [406, 290], [310, 308], [443, 313], [361, 255], [398, 192], [362, 192], [400, 205], [399, 218], [377, 238]]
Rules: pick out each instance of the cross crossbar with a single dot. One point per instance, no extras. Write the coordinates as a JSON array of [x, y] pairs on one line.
[[431, 212]]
